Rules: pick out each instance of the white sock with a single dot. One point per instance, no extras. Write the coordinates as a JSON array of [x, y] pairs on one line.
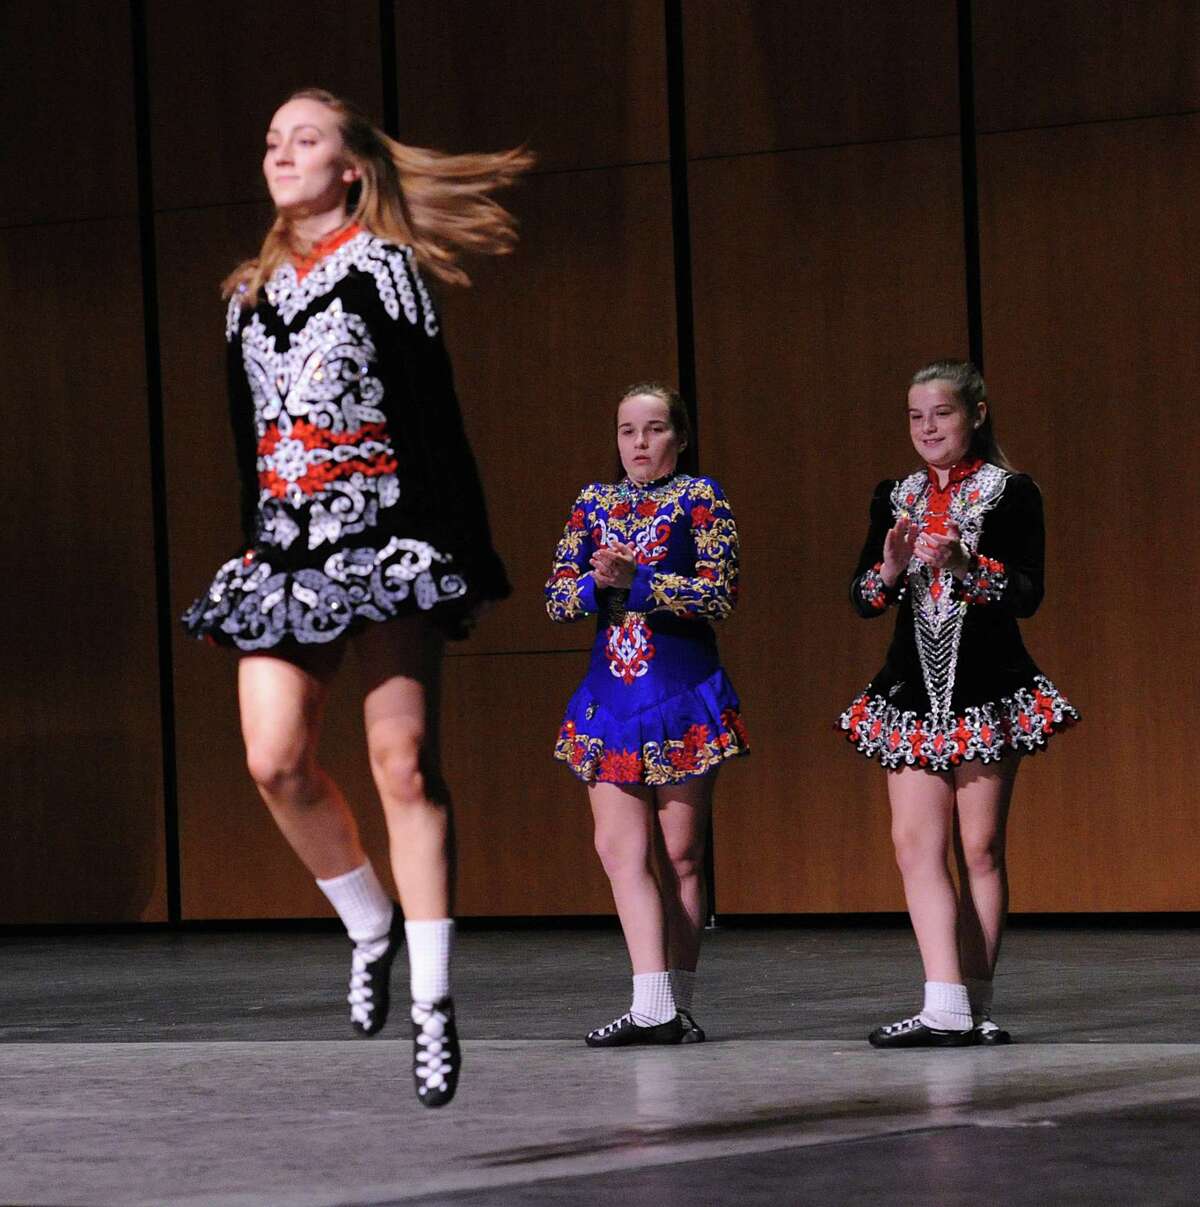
[[683, 986], [980, 993], [363, 906], [947, 1007], [653, 1002], [429, 946]]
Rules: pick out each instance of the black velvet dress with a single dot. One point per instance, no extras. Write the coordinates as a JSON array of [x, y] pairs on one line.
[[958, 682], [361, 500]]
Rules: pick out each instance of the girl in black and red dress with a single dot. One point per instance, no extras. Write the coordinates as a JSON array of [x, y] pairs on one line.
[[957, 548], [364, 522]]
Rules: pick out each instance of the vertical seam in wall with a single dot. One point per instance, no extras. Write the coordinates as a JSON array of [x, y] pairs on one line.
[[685, 329], [681, 227], [389, 67], [970, 181], [158, 469]]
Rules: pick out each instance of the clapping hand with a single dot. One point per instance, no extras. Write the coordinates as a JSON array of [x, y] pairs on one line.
[[613, 565], [943, 552], [898, 547]]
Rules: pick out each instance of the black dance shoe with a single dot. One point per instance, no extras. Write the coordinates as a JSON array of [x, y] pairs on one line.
[[437, 1057], [990, 1035], [370, 982], [912, 1033], [693, 1033], [623, 1031]]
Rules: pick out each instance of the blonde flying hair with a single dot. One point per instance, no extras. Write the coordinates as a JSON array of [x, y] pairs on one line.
[[439, 204]]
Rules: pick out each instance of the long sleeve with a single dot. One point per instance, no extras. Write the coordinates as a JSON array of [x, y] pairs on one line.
[[571, 589], [869, 595], [427, 411], [711, 592], [1007, 571], [241, 420]]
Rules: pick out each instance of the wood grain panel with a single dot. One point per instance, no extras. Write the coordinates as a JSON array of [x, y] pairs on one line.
[[583, 83], [524, 824], [845, 276], [66, 93], [219, 70], [1091, 312], [1052, 62], [543, 346], [765, 76], [81, 805]]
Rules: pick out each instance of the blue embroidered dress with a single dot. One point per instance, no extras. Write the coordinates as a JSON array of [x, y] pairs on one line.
[[655, 706]]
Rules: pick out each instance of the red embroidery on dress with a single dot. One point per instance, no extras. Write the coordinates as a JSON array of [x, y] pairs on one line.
[[629, 650]]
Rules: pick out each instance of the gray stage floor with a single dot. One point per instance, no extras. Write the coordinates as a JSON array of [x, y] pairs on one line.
[[213, 1068]]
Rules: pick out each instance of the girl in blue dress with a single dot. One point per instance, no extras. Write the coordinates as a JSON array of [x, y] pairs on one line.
[[654, 559]]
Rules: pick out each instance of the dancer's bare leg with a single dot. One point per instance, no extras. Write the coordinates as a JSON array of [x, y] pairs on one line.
[[922, 807], [683, 818], [401, 663], [983, 794], [281, 703], [624, 831]]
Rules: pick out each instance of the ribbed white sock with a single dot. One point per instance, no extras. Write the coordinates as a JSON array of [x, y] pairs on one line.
[[980, 993], [429, 946], [363, 906], [683, 986], [947, 1007], [653, 1002]]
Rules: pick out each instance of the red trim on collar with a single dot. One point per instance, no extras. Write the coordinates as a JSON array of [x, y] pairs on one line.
[[958, 471], [305, 264]]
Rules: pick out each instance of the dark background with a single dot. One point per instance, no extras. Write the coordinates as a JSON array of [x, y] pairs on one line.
[[764, 198]]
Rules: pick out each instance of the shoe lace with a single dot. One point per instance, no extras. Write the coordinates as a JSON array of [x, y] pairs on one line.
[[905, 1024], [432, 1057], [362, 994], [609, 1028]]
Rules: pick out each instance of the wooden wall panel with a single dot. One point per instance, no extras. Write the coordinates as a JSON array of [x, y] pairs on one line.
[[543, 345], [845, 276], [582, 83], [1091, 313], [763, 76], [1054, 62], [524, 823], [67, 97], [219, 70], [81, 805]]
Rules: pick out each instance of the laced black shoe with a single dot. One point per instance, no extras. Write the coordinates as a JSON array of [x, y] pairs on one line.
[[623, 1031], [437, 1057], [913, 1033], [370, 982], [693, 1033], [990, 1034]]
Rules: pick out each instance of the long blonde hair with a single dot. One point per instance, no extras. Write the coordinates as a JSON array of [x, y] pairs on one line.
[[439, 204]]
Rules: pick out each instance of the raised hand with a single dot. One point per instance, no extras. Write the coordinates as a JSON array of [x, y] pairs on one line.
[[898, 547], [944, 552]]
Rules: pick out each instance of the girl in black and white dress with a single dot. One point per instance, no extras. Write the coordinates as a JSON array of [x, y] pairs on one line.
[[364, 522], [957, 548]]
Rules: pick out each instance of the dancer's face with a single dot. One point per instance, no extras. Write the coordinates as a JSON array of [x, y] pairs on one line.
[[939, 424], [305, 164], [648, 444]]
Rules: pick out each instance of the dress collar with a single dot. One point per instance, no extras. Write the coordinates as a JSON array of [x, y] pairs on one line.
[[319, 250], [958, 471], [628, 484]]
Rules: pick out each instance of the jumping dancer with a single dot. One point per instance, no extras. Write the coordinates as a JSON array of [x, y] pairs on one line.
[[364, 522]]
